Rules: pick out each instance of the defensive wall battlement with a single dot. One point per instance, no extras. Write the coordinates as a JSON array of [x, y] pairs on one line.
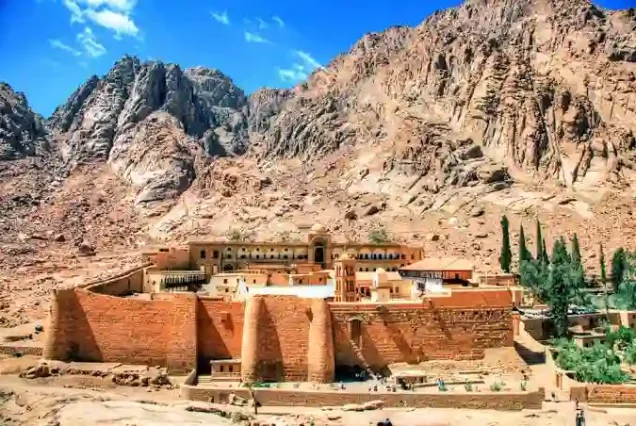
[[278, 338]]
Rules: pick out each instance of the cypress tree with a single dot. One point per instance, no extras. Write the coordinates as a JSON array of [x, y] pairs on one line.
[[602, 260], [576, 250], [618, 267], [524, 253], [545, 257], [560, 289], [540, 243], [505, 259]]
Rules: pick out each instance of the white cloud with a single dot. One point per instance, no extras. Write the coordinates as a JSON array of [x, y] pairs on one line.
[[294, 74], [308, 59], [255, 38], [121, 5], [279, 21], [299, 71], [59, 45], [118, 22], [88, 41], [221, 17], [76, 12], [111, 14], [262, 24]]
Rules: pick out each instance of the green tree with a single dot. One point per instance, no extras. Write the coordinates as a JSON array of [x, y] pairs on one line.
[[576, 250], [540, 243], [545, 256], [625, 297], [524, 253], [602, 261], [560, 290], [505, 259], [618, 267]]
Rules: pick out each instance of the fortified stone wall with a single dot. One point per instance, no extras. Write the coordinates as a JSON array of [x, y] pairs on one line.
[[87, 326], [219, 330], [458, 327], [124, 283], [278, 397], [604, 394]]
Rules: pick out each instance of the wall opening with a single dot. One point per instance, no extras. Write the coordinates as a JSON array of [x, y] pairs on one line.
[[355, 331], [319, 253]]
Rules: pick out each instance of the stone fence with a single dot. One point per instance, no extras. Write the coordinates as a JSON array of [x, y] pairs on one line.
[[309, 398], [603, 394]]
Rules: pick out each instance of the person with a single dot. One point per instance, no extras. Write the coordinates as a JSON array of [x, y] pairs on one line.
[[387, 422]]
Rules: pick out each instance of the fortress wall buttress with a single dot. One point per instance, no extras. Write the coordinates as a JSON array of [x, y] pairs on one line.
[[59, 329], [250, 348], [320, 357]]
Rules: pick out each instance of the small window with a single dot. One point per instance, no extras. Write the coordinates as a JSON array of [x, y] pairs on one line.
[[373, 269], [403, 256], [257, 249], [412, 256], [202, 254], [227, 290], [216, 254], [221, 369], [225, 281], [253, 281], [229, 249], [164, 250], [271, 256], [285, 256], [243, 249], [391, 290], [286, 249], [230, 369], [271, 249]]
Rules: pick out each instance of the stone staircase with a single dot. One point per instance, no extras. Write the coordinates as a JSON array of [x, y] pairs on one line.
[[360, 356]]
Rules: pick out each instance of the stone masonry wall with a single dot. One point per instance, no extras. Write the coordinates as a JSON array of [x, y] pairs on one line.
[[121, 284], [219, 330], [458, 327], [87, 326], [278, 397], [604, 394]]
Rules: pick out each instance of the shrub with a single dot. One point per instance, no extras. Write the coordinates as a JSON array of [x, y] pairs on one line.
[[630, 354], [524, 386], [468, 387], [496, 386], [378, 236]]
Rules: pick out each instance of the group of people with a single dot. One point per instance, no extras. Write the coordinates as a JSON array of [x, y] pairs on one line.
[[386, 422]]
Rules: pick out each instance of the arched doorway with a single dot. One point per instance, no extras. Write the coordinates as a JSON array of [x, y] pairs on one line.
[[228, 268], [319, 253]]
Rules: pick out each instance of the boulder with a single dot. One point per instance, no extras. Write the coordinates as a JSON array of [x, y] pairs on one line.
[[234, 399], [372, 210], [59, 238], [373, 405], [493, 173], [351, 215], [86, 249], [432, 237], [477, 211], [36, 372]]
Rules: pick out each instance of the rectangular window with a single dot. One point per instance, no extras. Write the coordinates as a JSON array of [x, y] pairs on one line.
[[202, 254], [216, 254], [225, 281]]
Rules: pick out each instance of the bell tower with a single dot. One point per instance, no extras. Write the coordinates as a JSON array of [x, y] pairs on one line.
[[345, 272]]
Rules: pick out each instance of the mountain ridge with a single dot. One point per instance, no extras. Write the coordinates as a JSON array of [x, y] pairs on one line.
[[520, 107]]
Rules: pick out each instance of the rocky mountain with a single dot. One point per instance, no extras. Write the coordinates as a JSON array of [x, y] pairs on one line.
[[21, 130], [520, 106]]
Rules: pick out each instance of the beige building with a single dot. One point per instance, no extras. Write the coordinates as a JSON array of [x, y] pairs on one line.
[[319, 251]]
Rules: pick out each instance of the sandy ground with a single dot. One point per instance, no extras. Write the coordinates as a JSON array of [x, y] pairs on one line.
[[88, 401]]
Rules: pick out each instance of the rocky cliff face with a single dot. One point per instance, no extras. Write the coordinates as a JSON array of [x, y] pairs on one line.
[[150, 121], [545, 88], [524, 104], [21, 130]]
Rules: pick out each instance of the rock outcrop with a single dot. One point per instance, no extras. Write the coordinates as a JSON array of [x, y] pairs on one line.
[[150, 121], [21, 130]]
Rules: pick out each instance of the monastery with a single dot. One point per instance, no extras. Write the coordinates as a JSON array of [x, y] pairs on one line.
[[281, 311]]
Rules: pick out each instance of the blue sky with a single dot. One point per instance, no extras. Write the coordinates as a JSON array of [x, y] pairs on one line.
[[50, 47]]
